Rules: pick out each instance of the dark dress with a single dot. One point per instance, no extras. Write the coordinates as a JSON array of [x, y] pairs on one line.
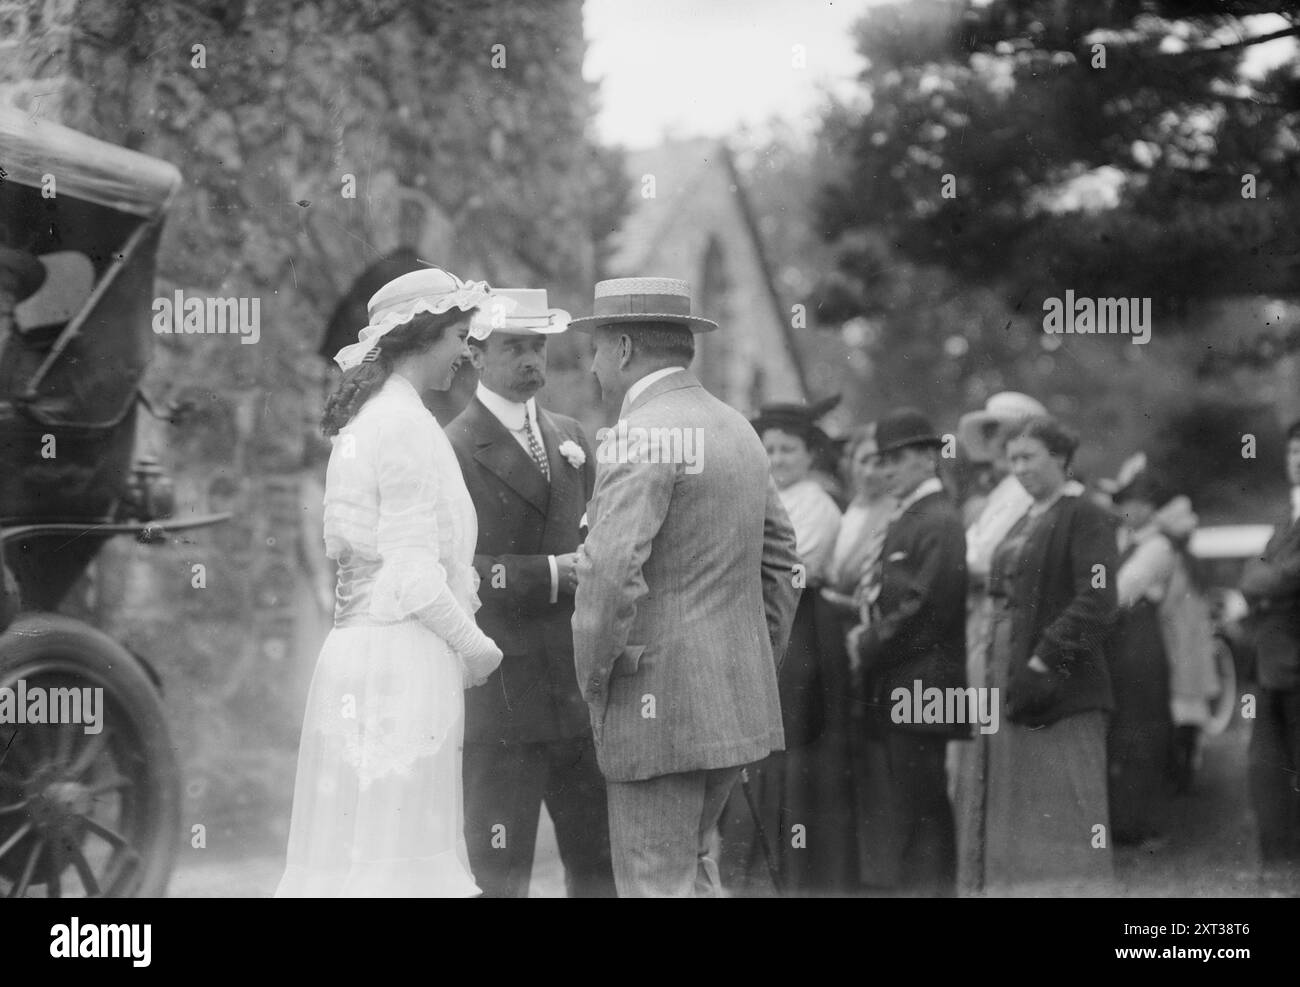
[[1141, 728], [802, 795]]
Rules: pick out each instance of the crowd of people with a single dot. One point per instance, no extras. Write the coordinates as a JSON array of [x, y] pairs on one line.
[[905, 663], [1084, 617]]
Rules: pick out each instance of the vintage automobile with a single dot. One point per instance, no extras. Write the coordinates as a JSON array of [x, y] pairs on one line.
[[90, 804], [1221, 552]]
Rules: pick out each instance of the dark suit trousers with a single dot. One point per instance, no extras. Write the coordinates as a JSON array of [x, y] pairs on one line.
[[662, 832], [908, 823], [505, 785], [1275, 775]]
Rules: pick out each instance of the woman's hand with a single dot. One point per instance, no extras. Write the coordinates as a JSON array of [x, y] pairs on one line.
[[1031, 693], [481, 664]]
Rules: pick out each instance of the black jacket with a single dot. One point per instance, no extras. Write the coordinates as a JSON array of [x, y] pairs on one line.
[[1272, 586], [920, 631], [1065, 612], [533, 695]]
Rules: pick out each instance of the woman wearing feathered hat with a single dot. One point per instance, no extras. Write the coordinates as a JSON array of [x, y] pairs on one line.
[[377, 801]]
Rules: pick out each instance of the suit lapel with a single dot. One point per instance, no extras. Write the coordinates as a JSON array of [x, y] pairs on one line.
[[499, 453], [564, 478], [562, 474]]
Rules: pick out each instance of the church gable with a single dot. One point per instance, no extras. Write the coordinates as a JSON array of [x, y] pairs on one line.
[[690, 222]]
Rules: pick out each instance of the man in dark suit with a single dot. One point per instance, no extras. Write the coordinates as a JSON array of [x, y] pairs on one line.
[[915, 641], [1272, 587], [527, 733]]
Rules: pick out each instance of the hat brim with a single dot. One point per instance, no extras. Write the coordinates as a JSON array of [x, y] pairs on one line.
[[557, 321], [791, 427], [979, 433], [692, 322], [928, 441]]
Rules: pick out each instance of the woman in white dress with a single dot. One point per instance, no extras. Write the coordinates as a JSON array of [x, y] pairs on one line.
[[377, 808]]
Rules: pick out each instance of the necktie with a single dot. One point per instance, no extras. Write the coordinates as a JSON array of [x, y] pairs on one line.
[[535, 447]]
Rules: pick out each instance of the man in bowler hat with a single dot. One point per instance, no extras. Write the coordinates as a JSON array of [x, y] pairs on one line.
[[914, 640]]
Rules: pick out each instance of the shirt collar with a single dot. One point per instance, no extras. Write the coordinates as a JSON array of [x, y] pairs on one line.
[[926, 487], [1070, 488], [637, 389], [509, 413]]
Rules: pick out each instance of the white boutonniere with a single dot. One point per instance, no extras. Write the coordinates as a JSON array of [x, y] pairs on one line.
[[571, 451]]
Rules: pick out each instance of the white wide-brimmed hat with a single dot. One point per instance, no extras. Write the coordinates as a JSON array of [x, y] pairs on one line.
[[521, 311], [666, 300], [396, 303], [979, 432]]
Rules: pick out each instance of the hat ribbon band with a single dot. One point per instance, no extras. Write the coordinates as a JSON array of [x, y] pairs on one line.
[[642, 305]]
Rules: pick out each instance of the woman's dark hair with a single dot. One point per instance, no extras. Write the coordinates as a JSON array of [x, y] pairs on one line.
[[817, 443], [360, 383], [1058, 439], [1148, 487]]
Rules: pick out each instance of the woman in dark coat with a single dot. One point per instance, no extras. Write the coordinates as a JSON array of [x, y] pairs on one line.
[[1053, 583]]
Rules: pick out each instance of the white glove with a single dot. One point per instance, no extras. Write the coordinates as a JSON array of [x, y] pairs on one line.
[[479, 663]]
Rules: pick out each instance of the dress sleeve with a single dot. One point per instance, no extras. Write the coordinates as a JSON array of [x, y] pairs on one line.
[[822, 530], [412, 580], [1146, 573]]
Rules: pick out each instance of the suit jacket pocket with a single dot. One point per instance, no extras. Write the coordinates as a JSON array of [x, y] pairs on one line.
[[629, 661]]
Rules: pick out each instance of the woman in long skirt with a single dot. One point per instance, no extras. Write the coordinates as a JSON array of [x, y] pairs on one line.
[[377, 808]]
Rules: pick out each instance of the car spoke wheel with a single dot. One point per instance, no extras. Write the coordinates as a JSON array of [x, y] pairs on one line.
[[88, 808]]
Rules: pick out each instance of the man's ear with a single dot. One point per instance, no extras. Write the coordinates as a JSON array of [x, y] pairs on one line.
[[476, 357], [625, 351]]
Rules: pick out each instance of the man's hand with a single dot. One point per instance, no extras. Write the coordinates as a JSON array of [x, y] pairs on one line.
[[566, 567]]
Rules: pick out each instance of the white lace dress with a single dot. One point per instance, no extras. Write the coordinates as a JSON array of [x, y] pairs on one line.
[[377, 805]]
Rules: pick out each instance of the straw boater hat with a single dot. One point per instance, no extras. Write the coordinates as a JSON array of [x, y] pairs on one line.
[[529, 316], [979, 432], [663, 300], [398, 302]]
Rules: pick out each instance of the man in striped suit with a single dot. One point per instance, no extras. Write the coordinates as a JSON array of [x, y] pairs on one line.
[[687, 586]]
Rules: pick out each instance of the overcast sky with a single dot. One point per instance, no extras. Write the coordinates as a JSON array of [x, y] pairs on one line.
[[691, 68]]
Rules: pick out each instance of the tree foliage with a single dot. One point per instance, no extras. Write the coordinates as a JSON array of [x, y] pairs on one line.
[[1088, 144]]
